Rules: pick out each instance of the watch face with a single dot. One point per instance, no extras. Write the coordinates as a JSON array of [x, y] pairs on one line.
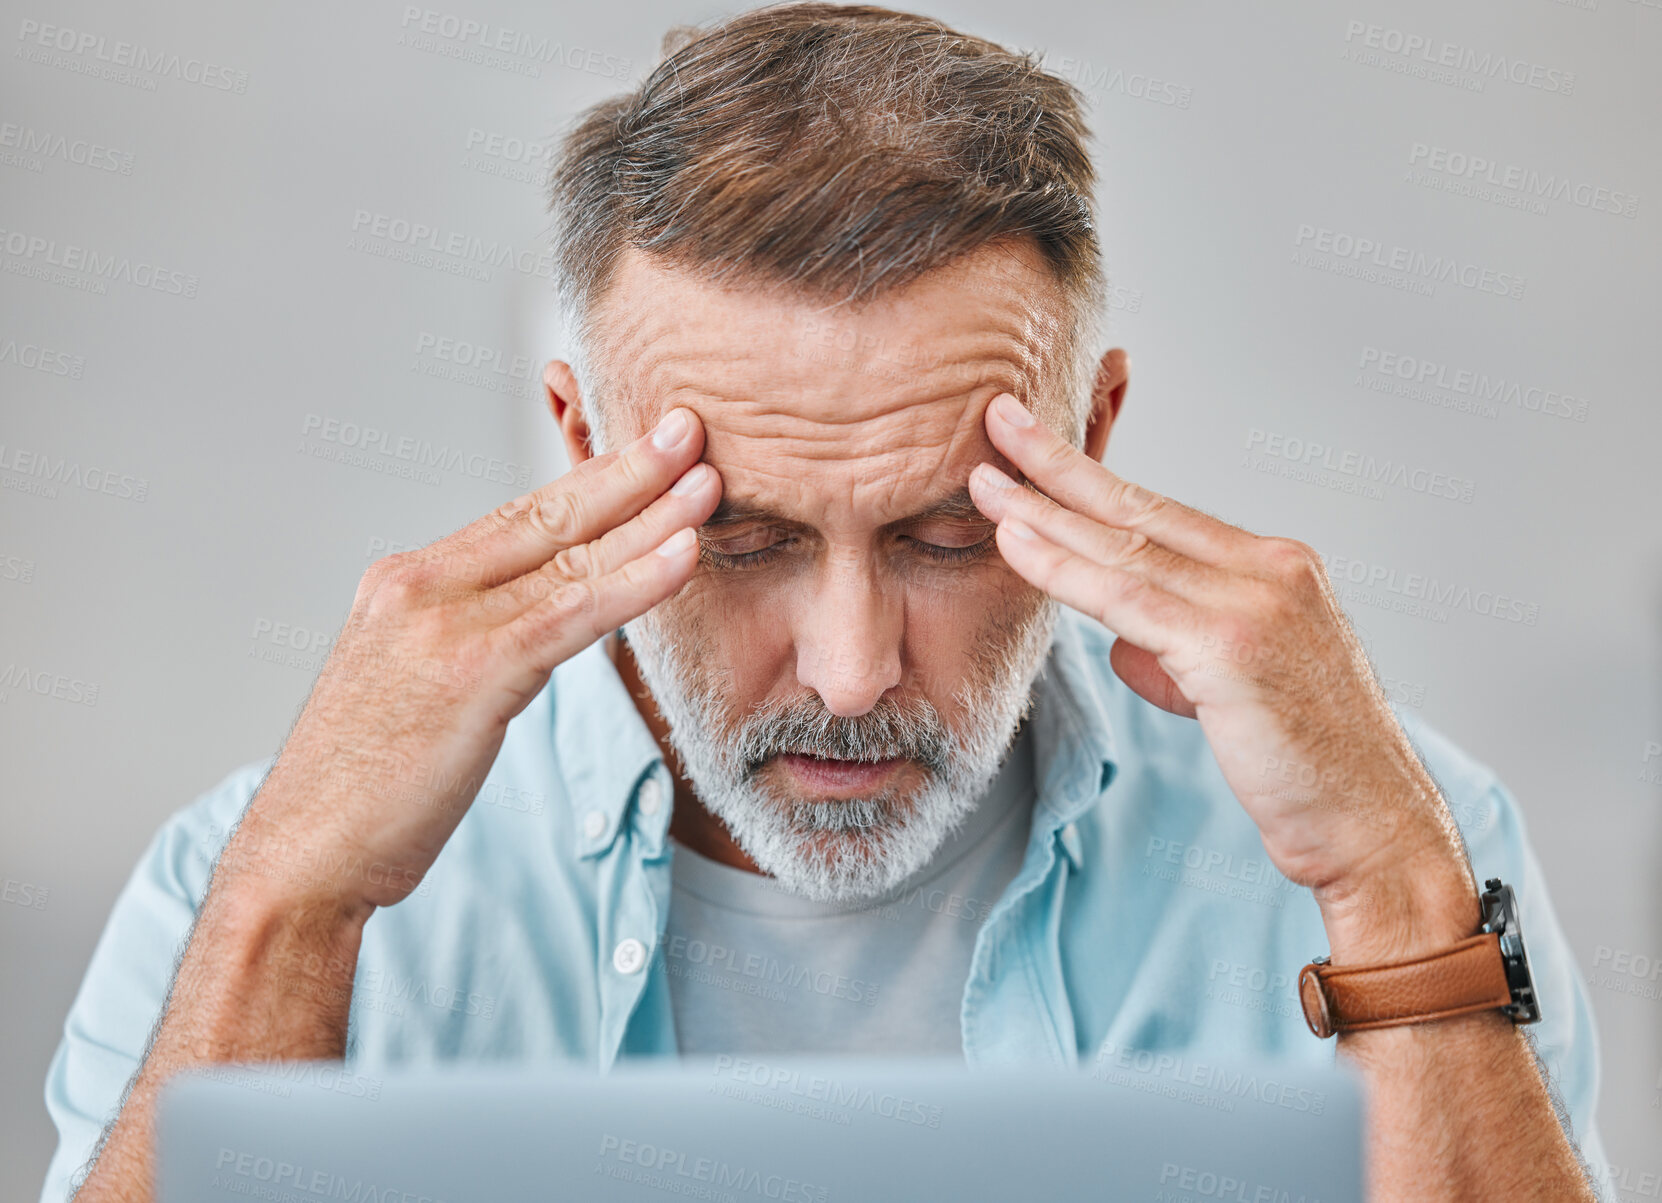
[[1500, 914]]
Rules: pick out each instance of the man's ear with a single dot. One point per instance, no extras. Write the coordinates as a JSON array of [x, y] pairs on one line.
[[1113, 376], [565, 402]]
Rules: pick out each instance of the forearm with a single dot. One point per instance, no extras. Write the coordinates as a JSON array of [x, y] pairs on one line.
[[267, 975], [1458, 1109], [442, 649]]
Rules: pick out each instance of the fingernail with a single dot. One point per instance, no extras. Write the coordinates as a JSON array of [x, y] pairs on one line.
[[691, 481], [677, 543], [671, 429], [1018, 528], [993, 478], [1012, 411]]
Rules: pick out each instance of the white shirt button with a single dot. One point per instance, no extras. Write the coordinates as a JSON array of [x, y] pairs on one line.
[[594, 824], [629, 955], [651, 796]]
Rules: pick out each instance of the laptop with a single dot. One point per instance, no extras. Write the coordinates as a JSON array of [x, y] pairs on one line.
[[1151, 1127]]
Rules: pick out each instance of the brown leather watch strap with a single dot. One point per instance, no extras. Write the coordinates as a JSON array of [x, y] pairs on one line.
[[1468, 976]]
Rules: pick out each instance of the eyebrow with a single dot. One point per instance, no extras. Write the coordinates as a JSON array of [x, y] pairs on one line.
[[955, 506]]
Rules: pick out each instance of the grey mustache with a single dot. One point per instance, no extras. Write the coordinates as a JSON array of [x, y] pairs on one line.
[[889, 732]]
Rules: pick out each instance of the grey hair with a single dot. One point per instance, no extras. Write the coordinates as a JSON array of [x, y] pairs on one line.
[[839, 152]]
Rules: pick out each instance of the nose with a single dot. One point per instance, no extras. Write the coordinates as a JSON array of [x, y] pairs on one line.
[[848, 636]]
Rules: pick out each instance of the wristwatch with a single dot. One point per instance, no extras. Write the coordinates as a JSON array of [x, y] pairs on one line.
[[1489, 969]]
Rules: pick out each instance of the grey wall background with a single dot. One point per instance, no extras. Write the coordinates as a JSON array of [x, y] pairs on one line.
[[1246, 152]]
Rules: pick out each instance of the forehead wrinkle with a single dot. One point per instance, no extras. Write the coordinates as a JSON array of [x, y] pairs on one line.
[[681, 341], [772, 405], [994, 311], [915, 469], [791, 496], [677, 356], [802, 503]]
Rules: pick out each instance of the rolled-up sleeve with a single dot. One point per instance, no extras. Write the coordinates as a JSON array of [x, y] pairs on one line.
[[108, 1027]]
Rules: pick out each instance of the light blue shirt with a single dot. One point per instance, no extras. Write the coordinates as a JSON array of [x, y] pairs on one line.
[[1145, 914]]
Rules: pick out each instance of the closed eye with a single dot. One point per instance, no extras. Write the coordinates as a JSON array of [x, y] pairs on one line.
[[936, 552], [747, 559], [708, 554], [943, 554]]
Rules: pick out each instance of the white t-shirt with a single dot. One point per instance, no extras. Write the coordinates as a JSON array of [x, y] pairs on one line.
[[753, 969]]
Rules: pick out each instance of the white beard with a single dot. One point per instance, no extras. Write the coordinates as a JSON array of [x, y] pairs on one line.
[[852, 850]]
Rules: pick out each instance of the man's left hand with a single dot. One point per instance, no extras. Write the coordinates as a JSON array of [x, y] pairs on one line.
[[1244, 634]]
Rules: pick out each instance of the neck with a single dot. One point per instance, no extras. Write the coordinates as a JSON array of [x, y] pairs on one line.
[[690, 823]]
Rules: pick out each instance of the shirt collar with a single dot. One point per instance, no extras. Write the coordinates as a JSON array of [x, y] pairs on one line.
[[605, 749], [1075, 756]]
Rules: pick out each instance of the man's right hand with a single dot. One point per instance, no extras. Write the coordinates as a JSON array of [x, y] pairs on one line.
[[446, 644], [442, 648]]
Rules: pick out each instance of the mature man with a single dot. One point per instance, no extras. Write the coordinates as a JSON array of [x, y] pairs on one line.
[[946, 739]]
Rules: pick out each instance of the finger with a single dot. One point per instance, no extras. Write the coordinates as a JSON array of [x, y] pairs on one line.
[[701, 485], [1131, 551], [600, 493], [1125, 603], [1140, 670], [1080, 483], [690, 500], [552, 631]]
